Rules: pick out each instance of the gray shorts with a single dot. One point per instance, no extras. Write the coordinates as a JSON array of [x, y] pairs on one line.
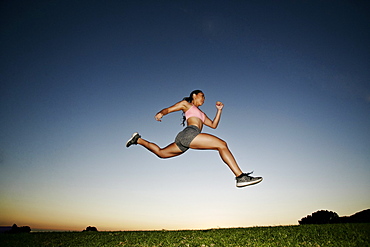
[[184, 138]]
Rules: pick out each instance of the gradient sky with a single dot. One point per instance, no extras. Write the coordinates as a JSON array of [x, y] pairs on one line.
[[79, 77]]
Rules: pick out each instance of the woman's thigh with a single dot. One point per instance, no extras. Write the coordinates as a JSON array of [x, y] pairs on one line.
[[207, 141], [170, 151]]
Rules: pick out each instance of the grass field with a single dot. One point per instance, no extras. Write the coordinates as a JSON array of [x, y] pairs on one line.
[[305, 235]]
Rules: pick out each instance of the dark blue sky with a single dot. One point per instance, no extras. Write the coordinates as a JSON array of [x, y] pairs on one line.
[[78, 77]]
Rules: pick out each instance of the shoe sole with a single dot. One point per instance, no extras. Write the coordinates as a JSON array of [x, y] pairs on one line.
[[243, 184], [132, 137]]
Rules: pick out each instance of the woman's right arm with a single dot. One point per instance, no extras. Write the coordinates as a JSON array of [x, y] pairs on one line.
[[176, 107]]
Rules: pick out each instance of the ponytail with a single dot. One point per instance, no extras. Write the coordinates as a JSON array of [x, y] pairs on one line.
[[183, 119]]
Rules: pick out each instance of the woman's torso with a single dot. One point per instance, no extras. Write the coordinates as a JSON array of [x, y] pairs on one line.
[[195, 117]]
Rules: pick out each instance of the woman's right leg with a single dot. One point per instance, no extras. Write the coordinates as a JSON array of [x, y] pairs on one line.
[[207, 141], [171, 150]]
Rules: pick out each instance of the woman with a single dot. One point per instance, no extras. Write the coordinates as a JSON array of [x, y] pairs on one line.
[[191, 136]]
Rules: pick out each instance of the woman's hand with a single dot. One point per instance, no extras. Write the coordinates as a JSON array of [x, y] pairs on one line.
[[219, 105], [176, 107], [158, 116]]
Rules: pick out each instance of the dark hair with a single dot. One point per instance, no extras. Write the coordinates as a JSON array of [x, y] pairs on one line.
[[189, 99]]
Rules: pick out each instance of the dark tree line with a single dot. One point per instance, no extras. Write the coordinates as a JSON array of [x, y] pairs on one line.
[[22, 229], [329, 217]]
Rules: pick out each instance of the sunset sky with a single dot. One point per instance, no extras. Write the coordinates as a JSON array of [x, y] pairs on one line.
[[77, 78]]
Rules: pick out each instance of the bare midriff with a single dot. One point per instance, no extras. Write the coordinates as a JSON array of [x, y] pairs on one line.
[[195, 121]]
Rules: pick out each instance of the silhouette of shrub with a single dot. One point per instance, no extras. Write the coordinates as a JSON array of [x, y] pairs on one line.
[[90, 229], [324, 217], [319, 217], [22, 229]]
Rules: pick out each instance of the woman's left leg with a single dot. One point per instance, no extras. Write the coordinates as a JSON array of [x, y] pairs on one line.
[[207, 141], [171, 150]]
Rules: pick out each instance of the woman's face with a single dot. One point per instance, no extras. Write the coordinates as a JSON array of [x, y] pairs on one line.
[[198, 99]]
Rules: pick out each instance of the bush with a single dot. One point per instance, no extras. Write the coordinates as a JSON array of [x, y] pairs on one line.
[[22, 229], [325, 217], [319, 217], [90, 229]]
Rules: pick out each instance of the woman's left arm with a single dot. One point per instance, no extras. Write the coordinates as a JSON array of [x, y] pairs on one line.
[[213, 124]]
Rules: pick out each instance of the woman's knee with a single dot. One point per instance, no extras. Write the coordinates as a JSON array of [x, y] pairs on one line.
[[165, 154], [162, 155], [222, 144]]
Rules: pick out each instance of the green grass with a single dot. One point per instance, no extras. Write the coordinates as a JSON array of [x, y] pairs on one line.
[[305, 235]]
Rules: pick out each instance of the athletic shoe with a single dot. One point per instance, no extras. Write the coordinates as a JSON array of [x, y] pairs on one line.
[[245, 180], [133, 139]]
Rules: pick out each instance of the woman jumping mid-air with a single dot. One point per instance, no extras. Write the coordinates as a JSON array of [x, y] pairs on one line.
[[191, 136]]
